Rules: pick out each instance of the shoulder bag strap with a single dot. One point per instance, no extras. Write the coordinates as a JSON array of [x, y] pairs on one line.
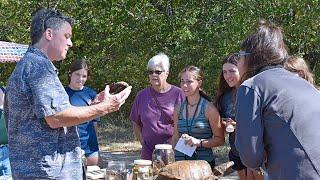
[[166, 116]]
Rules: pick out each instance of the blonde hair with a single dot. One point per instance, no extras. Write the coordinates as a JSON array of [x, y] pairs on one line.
[[298, 65]]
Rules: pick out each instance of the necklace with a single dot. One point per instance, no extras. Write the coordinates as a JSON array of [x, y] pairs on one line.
[[192, 105], [194, 115]]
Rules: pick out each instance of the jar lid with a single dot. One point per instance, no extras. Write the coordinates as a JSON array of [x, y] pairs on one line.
[[142, 162], [163, 146]]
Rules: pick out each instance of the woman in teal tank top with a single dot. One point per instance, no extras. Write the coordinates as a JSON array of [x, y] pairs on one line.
[[196, 120]]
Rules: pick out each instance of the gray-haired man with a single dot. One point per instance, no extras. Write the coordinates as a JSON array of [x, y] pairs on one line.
[[38, 110]]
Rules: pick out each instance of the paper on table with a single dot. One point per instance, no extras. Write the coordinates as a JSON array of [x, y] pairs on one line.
[[184, 148]]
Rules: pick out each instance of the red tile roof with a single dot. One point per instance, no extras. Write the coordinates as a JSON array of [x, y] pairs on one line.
[[11, 52]]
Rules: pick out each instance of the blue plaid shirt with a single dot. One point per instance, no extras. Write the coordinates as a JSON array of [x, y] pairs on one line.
[[37, 151]]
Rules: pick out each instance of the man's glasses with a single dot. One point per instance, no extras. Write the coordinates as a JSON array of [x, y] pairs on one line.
[[157, 72]]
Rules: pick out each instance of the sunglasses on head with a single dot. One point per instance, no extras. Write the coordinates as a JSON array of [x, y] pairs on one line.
[[158, 72], [49, 15]]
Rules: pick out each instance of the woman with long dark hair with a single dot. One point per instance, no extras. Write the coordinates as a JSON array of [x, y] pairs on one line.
[[228, 83], [277, 113], [225, 102]]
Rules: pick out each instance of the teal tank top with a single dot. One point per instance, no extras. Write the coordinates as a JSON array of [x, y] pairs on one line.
[[199, 128], [3, 130]]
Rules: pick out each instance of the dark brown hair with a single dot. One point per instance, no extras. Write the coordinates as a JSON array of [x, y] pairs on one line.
[[77, 65], [223, 86], [266, 48], [46, 18]]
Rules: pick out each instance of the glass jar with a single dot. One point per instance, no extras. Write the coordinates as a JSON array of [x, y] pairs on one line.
[[162, 155], [116, 170], [142, 170]]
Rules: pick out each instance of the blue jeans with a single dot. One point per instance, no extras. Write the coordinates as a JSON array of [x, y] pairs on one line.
[[5, 169]]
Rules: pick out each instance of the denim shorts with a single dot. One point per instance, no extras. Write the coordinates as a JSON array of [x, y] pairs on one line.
[[92, 154], [5, 169]]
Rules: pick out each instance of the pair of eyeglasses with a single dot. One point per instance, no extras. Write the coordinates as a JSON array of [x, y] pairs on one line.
[[157, 72], [242, 53]]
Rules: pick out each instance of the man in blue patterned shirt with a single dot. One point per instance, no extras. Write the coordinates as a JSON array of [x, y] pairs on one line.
[[43, 141]]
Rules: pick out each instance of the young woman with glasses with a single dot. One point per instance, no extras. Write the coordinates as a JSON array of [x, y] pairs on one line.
[[277, 113]]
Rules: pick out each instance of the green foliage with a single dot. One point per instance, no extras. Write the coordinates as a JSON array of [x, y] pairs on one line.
[[118, 37]]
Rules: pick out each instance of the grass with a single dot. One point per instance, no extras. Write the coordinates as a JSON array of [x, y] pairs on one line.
[[117, 138]]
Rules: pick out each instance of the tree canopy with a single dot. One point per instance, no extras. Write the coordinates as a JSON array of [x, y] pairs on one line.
[[118, 37]]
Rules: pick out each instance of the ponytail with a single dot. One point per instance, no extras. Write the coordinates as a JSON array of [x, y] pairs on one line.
[[205, 95]]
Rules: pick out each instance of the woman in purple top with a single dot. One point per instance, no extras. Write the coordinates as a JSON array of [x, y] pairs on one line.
[[153, 107]]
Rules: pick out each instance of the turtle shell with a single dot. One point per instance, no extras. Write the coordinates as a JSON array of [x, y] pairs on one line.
[[186, 170]]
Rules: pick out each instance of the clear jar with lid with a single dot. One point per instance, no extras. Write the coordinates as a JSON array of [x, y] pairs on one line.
[[162, 155], [142, 170]]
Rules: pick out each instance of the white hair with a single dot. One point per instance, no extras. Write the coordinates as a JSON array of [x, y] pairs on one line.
[[161, 61]]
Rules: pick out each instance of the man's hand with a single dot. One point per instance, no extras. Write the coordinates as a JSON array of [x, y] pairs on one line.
[[105, 103], [115, 101], [113, 89]]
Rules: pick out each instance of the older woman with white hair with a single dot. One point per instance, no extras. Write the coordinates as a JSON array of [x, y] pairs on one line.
[[152, 110]]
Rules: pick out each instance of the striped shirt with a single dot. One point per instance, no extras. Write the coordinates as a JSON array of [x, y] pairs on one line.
[[197, 127]]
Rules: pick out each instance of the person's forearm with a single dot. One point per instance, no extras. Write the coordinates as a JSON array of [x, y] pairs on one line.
[[174, 139], [137, 132], [213, 142], [76, 115]]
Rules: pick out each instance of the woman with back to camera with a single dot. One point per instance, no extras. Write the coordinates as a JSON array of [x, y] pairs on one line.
[[229, 81], [81, 95], [152, 110], [282, 132], [196, 120]]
